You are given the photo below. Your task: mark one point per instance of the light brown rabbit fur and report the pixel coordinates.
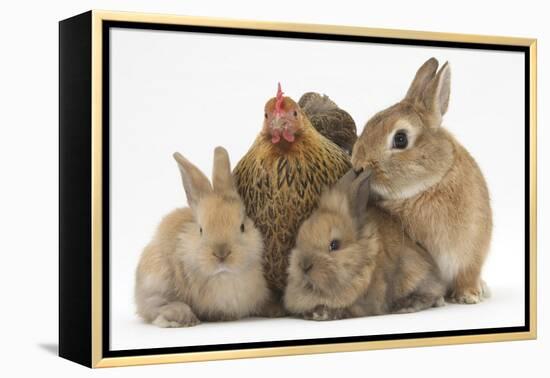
(204, 263)
(375, 268)
(432, 185)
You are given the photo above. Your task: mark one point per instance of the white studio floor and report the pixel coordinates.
(503, 309)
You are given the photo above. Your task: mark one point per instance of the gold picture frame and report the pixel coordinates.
(82, 43)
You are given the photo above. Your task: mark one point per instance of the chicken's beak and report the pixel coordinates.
(278, 122)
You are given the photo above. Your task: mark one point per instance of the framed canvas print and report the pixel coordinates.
(234, 189)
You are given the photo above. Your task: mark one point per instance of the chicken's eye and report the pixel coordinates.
(242, 227)
(295, 113)
(200, 230)
(334, 245)
(400, 140)
(265, 115)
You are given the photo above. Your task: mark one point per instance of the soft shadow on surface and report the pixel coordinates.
(50, 347)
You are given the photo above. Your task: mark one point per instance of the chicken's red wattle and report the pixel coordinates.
(275, 136)
(289, 137)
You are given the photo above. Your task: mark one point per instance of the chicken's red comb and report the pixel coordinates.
(279, 101)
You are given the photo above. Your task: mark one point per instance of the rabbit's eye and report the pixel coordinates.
(295, 113)
(242, 227)
(200, 230)
(334, 245)
(265, 115)
(400, 140)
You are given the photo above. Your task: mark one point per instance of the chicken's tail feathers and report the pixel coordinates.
(314, 103)
(329, 119)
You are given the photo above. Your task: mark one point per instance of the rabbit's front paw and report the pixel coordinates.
(175, 315)
(466, 296)
(321, 313)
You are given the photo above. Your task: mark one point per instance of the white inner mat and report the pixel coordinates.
(175, 91)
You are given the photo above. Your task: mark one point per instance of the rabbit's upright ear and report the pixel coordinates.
(345, 181)
(437, 93)
(423, 77)
(222, 179)
(358, 195)
(194, 181)
(335, 198)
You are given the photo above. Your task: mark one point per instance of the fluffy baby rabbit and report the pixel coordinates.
(352, 261)
(423, 176)
(204, 263)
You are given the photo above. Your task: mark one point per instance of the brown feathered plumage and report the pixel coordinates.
(332, 122)
(281, 178)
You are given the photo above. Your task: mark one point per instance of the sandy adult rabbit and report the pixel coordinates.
(427, 179)
(204, 262)
(352, 261)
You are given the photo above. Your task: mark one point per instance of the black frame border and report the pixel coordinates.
(75, 197)
(107, 25)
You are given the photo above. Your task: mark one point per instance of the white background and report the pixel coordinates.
(28, 158)
(190, 92)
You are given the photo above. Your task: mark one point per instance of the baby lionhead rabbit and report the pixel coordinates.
(352, 261)
(204, 263)
(424, 177)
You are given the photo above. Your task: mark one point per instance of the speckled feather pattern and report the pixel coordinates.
(280, 189)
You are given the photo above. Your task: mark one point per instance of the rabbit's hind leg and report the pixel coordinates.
(417, 302)
(174, 315)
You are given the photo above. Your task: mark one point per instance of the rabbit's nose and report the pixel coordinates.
(221, 252)
(306, 265)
